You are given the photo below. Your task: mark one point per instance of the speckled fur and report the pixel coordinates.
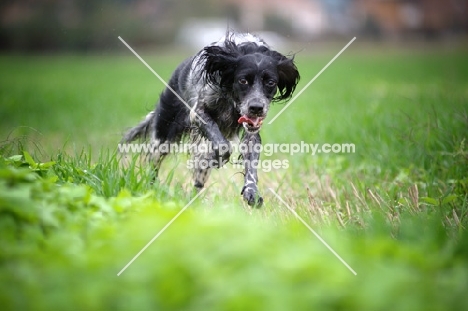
(210, 83)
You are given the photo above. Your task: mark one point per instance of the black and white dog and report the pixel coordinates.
(215, 95)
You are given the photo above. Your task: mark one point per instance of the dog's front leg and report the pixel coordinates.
(251, 158)
(209, 129)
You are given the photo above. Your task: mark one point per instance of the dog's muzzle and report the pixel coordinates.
(252, 117)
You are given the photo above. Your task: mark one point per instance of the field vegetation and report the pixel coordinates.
(74, 212)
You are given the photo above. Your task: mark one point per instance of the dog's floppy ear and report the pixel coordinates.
(288, 77)
(220, 64)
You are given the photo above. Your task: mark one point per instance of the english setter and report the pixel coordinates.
(228, 86)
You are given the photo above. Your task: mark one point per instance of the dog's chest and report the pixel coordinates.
(225, 114)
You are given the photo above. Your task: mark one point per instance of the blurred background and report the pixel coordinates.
(83, 25)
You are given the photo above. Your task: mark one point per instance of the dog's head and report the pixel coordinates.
(253, 75)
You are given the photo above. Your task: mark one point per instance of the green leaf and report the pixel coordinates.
(29, 160)
(449, 199)
(46, 165)
(14, 175)
(430, 201)
(16, 159)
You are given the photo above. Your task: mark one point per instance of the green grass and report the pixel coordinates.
(72, 215)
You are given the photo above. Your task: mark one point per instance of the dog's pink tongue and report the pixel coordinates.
(255, 121)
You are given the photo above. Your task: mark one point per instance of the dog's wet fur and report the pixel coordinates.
(229, 85)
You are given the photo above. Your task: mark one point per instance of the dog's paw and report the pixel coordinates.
(251, 196)
(222, 153)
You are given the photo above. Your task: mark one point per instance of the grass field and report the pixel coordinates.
(395, 210)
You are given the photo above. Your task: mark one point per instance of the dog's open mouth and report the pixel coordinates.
(251, 124)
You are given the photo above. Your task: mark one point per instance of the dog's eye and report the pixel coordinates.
(243, 81)
(270, 83)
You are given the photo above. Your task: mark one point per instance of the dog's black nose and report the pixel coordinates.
(256, 109)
